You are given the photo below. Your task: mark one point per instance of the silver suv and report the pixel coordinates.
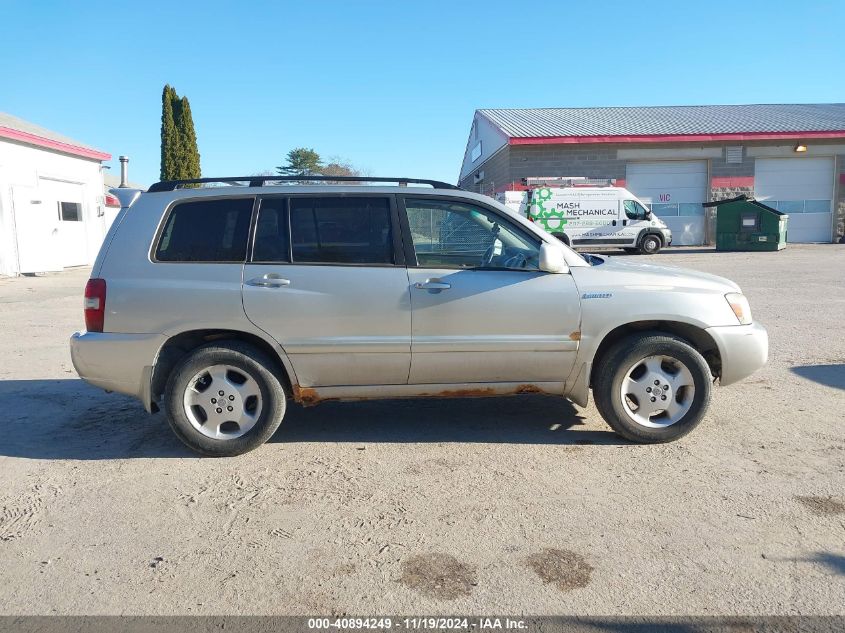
(222, 303)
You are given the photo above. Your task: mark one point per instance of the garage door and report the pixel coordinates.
(801, 187)
(674, 190)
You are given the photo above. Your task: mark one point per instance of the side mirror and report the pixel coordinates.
(647, 215)
(552, 259)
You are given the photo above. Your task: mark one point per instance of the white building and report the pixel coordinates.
(53, 209)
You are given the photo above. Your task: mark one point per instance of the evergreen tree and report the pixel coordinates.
(169, 136)
(189, 155)
(180, 158)
(302, 161)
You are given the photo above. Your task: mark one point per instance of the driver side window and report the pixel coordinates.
(450, 234)
(634, 210)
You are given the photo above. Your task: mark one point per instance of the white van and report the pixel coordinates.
(592, 216)
(515, 201)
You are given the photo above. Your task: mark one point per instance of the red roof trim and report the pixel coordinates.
(717, 182)
(674, 138)
(40, 141)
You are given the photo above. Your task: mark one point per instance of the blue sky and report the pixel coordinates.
(391, 86)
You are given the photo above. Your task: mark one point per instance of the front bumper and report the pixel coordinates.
(117, 362)
(743, 348)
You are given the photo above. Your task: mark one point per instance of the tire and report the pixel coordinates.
(258, 402)
(669, 354)
(563, 237)
(650, 244)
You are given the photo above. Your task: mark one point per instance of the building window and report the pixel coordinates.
(816, 206)
(799, 206)
(70, 212)
(476, 152)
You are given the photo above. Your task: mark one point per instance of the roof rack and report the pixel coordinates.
(260, 181)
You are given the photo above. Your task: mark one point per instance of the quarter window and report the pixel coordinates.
(455, 235)
(338, 230)
(206, 231)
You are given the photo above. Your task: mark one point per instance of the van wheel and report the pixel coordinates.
(652, 388)
(650, 244)
(224, 399)
(563, 237)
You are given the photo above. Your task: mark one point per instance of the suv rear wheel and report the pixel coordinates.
(652, 388)
(224, 399)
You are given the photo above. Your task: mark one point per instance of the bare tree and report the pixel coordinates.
(337, 166)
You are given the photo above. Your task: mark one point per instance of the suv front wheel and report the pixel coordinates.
(652, 388)
(224, 399)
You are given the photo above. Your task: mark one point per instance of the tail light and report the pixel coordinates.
(95, 304)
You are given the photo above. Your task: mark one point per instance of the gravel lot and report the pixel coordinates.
(508, 505)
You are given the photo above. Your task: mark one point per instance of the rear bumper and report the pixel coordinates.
(743, 348)
(117, 362)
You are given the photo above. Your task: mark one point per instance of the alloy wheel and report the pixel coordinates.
(657, 391)
(222, 402)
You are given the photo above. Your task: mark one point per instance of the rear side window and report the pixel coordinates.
(341, 230)
(206, 231)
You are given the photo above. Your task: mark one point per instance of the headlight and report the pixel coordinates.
(739, 304)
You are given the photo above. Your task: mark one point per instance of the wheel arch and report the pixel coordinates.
(697, 337)
(179, 345)
(650, 231)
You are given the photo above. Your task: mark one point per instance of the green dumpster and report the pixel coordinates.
(744, 224)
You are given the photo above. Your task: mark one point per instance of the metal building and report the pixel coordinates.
(791, 156)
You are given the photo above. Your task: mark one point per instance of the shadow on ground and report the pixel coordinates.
(669, 250)
(829, 375)
(834, 562)
(68, 419)
(688, 250)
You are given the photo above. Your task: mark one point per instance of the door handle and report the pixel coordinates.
(432, 284)
(270, 280)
